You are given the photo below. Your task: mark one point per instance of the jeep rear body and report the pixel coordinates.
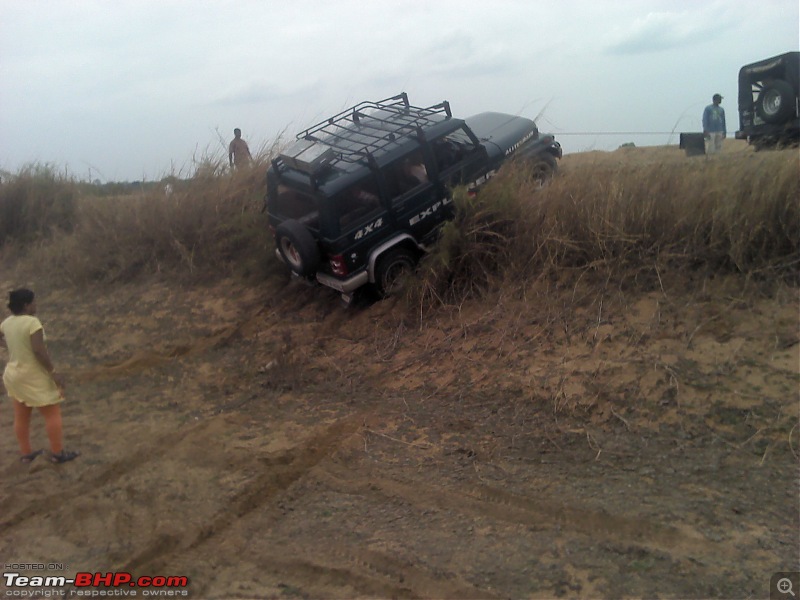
(769, 101)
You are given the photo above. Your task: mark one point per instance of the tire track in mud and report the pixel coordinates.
(112, 472)
(420, 581)
(146, 359)
(372, 574)
(369, 572)
(279, 474)
(485, 501)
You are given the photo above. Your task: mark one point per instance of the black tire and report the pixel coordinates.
(543, 167)
(776, 102)
(391, 268)
(297, 247)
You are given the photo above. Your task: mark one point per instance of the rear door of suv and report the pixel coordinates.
(417, 201)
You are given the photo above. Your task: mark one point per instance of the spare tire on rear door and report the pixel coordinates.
(776, 102)
(297, 247)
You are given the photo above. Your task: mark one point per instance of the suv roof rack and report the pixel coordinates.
(360, 131)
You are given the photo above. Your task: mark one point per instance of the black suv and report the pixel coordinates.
(768, 101)
(359, 197)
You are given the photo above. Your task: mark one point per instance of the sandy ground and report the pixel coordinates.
(567, 440)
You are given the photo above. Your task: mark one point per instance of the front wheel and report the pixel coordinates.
(543, 168)
(392, 268)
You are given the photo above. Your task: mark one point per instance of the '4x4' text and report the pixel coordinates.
(368, 229)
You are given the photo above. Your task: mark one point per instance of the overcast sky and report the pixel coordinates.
(122, 90)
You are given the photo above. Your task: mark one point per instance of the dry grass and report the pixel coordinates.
(205, 226)
(736, 213)
(621, 213)
(38, 199)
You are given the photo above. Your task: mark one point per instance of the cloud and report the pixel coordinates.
(461, 54)
(150, 79)
(659, 31)
(262, 92)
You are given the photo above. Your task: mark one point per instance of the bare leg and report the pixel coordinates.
(52, 424)
(22, 426)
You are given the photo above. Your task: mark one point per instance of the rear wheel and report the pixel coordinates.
(392, 268)
(776, 102)
(297, 247)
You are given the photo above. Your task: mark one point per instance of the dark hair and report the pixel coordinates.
(18, 299)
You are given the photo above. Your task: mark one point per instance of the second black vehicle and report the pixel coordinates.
(359, 197)
(769, 102)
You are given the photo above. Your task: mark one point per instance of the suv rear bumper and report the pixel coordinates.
(345, 286)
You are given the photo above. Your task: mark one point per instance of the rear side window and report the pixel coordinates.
(406, 174)
(293, 204)
(358, 204)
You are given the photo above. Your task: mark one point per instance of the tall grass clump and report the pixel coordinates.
(207, 225)
(35, 202)
(737, 213)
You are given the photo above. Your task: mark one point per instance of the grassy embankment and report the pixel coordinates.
(627, 214)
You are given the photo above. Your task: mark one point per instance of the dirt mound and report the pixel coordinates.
(572, 439)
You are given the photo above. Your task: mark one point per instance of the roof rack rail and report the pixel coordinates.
(361, 130)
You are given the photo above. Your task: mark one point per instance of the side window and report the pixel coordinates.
(450, 151)
(294, 204)
(406, 174)
(358, 203)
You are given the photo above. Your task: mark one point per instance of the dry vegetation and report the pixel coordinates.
(604, 213)
(194, 229)
(610, 215)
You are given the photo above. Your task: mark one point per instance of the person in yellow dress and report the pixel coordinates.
(30, 378)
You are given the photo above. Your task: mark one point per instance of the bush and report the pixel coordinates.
(206, 226)
(737, 214)
(622, 214)
(34, 203)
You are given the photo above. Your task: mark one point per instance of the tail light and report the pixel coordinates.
(338, 266)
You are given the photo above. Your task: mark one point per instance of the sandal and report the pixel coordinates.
(64, 456)
(28, 458)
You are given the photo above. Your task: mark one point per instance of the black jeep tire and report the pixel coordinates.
(391, 268)
(776, 102)
(297, 247)
(543, 167)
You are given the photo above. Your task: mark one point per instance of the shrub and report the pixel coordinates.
(35, 202)
(737, 214)
(205, 226)
(631, 211)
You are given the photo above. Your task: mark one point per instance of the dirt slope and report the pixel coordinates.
(572, 439)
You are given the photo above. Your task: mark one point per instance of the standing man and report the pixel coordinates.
(238, 152)
(714, 125)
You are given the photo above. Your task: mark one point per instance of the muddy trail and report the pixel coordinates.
(567, 440)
